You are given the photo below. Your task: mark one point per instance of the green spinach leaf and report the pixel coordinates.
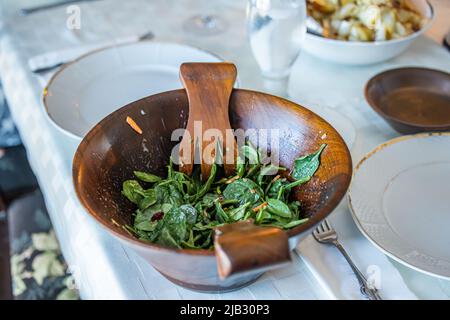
(147, 177)
(133, 191)
(245, 190)
(279, 208)
(306, 166)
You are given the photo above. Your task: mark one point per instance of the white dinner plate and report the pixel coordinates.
(85, 91)
(400, 199)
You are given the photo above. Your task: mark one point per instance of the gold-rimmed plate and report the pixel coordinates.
(399, 200)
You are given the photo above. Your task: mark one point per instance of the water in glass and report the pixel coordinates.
(276, 30)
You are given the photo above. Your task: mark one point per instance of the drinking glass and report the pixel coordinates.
(276, 29)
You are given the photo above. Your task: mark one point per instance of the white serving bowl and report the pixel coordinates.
(362, 53)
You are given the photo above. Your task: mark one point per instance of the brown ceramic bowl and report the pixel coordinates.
(411, 100)
(111, 151)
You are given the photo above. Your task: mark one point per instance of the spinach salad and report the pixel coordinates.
(181, 211)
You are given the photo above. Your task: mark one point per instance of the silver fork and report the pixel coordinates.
(325, 233)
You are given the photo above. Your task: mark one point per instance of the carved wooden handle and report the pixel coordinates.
(208, 87)
(243, 247)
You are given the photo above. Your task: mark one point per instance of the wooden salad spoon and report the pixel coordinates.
(208, 87)
(240, 247)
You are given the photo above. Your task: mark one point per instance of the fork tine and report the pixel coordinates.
(319, 228)
(316, 234)
(327, 224)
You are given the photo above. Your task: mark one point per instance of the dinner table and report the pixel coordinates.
(103, 268)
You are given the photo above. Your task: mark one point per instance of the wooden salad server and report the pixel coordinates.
(208, 87)
(243, 247)
(240, 247)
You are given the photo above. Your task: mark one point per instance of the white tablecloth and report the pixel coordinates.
(102, 267)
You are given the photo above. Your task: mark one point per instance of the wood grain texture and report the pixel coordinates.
(112, 150)
(208, 87)
(244, 247)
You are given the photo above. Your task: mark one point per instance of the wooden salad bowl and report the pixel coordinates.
(112, 150)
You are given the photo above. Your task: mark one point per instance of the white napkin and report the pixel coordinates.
(53, 58)
(333, 272)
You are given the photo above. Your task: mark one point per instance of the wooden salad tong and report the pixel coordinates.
(240, 247)
(208, 87)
